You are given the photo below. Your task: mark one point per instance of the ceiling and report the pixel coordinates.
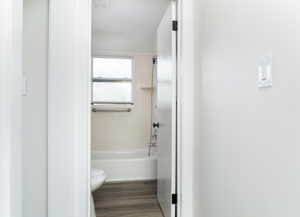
(128, 16)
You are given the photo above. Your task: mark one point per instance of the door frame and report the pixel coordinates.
(69, 146)
(69, 99)
(185, 108)
(11, 39)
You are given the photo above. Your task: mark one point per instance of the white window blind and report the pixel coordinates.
(112, 80)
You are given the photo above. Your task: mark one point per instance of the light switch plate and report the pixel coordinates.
(265, 78)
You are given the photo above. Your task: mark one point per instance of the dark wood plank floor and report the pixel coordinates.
(127, 199)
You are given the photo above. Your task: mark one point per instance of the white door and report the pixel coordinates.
(166, 111)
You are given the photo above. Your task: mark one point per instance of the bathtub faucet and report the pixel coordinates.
(154, 137)
(153, 141)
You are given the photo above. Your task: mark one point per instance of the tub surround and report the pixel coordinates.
(128, 165)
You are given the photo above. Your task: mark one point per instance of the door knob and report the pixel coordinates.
(155, 124)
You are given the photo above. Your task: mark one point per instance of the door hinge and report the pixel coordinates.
(174, 199)
(174, 25)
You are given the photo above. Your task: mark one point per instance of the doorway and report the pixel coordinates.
(70, 141)
(133, 119)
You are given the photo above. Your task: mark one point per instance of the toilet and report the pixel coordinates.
(97, 179)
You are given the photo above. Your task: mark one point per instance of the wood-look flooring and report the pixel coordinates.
(127, 199)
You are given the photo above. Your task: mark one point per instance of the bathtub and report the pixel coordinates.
(130, 165)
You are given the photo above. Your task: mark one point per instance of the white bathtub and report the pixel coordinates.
(130, 165)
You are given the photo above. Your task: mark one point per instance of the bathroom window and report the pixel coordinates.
(112, 81)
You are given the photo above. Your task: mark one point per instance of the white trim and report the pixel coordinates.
(11, 108)
(185, 107)
(69, 108)
(174, 168)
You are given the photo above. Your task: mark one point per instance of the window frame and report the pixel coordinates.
(120, 104)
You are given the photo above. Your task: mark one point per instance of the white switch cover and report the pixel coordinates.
(265, 72)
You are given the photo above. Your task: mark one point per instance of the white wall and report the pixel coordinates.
(10, 108)
(69, 108)
(247, 150)
(35, 39)
(132, 128)
(126, 25)
(123, 42)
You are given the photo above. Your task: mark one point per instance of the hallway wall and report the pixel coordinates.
(247, 139)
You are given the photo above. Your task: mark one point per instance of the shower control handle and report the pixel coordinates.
(155, 124)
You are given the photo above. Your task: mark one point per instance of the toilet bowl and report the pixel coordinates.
(97, 179)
